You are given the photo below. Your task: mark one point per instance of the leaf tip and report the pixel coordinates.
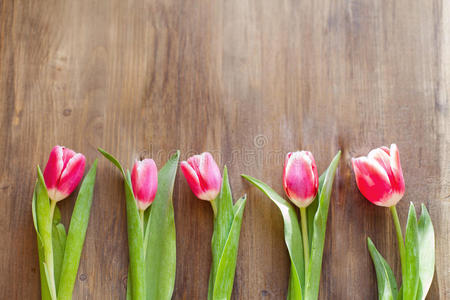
(176, 155)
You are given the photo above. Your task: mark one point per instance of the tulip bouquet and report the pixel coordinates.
(379, 177)
(312, 195)
(204, 179)
(59, 254)
(151, 228)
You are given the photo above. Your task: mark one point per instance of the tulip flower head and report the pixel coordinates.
(203, 176)
(379, 176)
(144, 179)
(300, 179)
(63, 172)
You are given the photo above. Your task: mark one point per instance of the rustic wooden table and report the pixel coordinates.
(247, 81)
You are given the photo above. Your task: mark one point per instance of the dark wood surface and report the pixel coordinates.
(247, 81)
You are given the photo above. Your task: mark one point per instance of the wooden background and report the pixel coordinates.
(247, 81)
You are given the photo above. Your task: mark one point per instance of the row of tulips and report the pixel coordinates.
(151, 225)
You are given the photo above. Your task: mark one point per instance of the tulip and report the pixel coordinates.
(63, 172)
(301, 183)
(203, 177)
(300, 179)
(144, 179)
(379, 176)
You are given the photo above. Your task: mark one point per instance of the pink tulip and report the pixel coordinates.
(300, 180)
(63, 172)
(144, 179)
(203, 176)
(379, 176)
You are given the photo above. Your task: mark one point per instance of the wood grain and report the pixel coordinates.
(247, 81)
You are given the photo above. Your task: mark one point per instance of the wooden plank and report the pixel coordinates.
(247, 81)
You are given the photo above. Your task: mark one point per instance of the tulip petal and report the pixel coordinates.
(372, 180)
(398, 183)
(385, 149)
(300, 178)
(67, 156)
(191, 177)
(71, 176)
(202, 175)
(383, 159)
(144, 179)
(54, 167)
(210, 177)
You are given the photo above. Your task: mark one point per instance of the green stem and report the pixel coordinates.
(52, 209)
(401, 244)
(49, 255)
(141, 217)
(305, 236)
(214, 207)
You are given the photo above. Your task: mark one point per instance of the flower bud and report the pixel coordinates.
(379, 176)
(144, 179)
(63, 172)
(202, 175)
(300, 180)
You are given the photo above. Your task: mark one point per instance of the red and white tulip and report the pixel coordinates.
(203, 176)
(144, 179)
(63, 172)
(379, 176)
(300, 179)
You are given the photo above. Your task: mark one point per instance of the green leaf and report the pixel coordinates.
(400, 294)
(311, 210)
(128, 296)
(420, 294)
(411, 278)
(135, 243)
(76, 235)
(292, 237)
(426, 253)
(59, 245)
(56, 216)
(160, 238)
(45, 293)
(223, 283)
(135, 236)
(222, 224)
(387, 286)
(113, 160)
(318, 237)
(44, 224)
(294, 288)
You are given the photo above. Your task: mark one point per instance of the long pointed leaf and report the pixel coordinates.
(222, 225)
(135, 236)
(113, 160)
(45, 293)
(311, 210)
(160, 257)
(318, 237)
(135, 243)
(59, 245)
(387, 286)
(44, 224)
(426, 253)
(223, 283)
(411, 278)
(292, 237)
(76, 235)
(294, 288)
